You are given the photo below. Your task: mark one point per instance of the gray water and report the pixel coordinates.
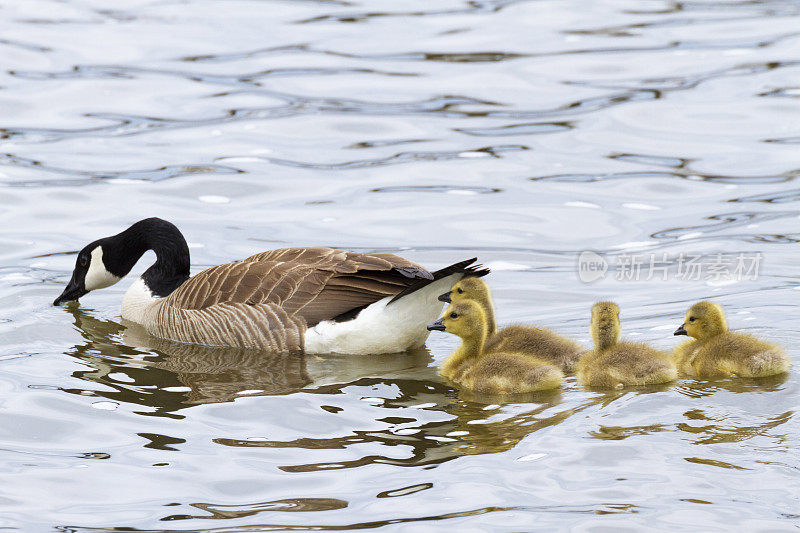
(521, 132)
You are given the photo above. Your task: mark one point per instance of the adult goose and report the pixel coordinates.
(320, 300)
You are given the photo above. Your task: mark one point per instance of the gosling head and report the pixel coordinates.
(469, 288)
(605, 326)
(703, 320)
(465, 319)
(90, 272)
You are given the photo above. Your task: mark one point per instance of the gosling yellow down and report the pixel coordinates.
(616, 364)
(715, 352)
(538, 342)
(492, 373)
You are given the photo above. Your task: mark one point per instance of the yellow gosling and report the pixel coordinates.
(492, 373)
(715, 352)
(615, 364)
(473, 288)
(539, 342)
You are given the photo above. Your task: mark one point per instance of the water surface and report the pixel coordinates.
(523, 132)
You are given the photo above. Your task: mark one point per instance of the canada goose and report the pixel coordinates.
(322, 300)
(539, 342)
(495, 372)
(716, 352)
(616, 364)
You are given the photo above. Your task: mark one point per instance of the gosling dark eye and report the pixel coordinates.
(460, 290)
(453, 315)
(691, 319)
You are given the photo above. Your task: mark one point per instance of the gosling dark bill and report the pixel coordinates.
(680, 331)
(445, 297)
(437, 326)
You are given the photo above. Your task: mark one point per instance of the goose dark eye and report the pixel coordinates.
(453, 315)
(83, 261)
(460, 290)
(691, 319)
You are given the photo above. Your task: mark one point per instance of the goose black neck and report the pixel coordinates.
(171, 269)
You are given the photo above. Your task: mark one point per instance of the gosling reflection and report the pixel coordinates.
(294, 505)
(706, 428)
(712, 428)
(432, 423)
(478, 435)
(700, 388)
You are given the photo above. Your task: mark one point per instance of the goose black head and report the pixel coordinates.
(106, 261)
(90, 273)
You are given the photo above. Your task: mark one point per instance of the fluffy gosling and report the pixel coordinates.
(715, 352)
(473, 288)
(615, 364)
(538, 342)
(491, 373)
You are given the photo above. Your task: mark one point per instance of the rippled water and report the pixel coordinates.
(523, 132)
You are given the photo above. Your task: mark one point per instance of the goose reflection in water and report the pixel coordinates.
(135, 367)
(168, 376)
(216, 374)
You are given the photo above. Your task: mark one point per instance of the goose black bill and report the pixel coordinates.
(73, 291)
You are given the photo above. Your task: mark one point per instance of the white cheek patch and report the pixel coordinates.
(97, 277)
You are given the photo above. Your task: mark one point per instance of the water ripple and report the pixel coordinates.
(401, 158)
(86, 177)
(127, 72)
(453, 189)
(534, 128)
(689, 81)
(680, 168)
(293, 505)
(472, 7)
(441, 106)
(300, 527)
(642, 125)
(494, 56)
(25, 46)
(761, 7)
(782, 197)
(727, 221)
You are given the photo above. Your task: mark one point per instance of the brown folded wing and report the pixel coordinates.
(314, 284)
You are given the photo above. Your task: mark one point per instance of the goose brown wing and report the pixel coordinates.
(313, 283)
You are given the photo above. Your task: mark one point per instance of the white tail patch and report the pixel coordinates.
(382, 328)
